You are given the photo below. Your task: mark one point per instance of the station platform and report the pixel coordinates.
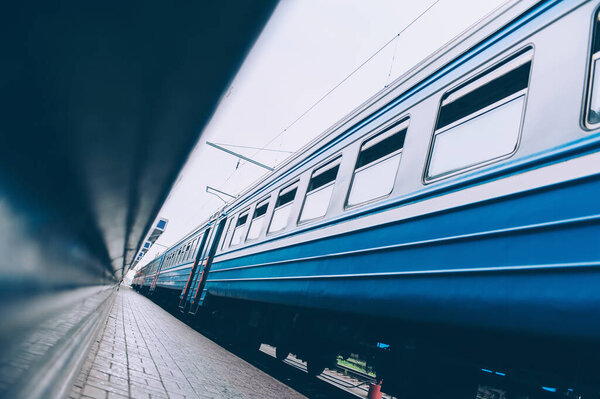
(142, 351)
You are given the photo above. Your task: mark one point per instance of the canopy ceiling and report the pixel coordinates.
(102, 103)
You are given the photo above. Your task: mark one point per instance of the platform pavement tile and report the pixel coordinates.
(118, 381)
(93, 392)
(147, 388)
(140, 393)
(179, 388)
(99, 374)
(112, 395)
(152, 388)
(137, 374)
(113, 369)
(149, 383)
(107, 385)
(101, 362)
(147, 353)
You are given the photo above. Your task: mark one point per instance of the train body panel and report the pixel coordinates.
(437, 266)
(433, 248)
(175, 278)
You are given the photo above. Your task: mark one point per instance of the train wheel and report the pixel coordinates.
(281, 352)
(315, 367)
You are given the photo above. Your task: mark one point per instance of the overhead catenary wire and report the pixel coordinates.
(321, 99)
(350, 74)
(254, 148)
(335, 87)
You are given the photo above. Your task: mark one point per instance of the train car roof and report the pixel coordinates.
(450, 51)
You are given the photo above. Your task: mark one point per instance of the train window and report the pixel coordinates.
(283, 207)
(480, 121)
(258, 219)
(320, 189)
(187, 252)
(593, 101)
(191, 251)
(193, 247)
(239, 228)
(377, 164)
(227, 232)
(183, 253)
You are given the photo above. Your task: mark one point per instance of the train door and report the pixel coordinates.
(153, 285)
(196, 294)
(188, 284)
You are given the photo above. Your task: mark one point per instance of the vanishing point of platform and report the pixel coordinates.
(144, 352)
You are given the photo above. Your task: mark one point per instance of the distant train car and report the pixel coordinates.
(138, 279)
(455, 215)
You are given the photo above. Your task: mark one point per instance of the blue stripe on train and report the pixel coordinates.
(570, 201)
(174, 279)
(550, 226)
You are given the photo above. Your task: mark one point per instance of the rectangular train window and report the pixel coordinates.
(258, 219)
(377, 164)
(239, 228)
(320, 189)
(195, 247)
(480, 121)
(283, 207)
(226, 233)
(187, 251)
(593, 100)
(190, 249)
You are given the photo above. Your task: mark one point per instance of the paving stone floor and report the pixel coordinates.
(144, 352)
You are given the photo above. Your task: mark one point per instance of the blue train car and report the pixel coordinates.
(454, 214)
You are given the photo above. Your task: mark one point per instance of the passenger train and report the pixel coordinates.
(450, 223)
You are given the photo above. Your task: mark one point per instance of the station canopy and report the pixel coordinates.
(102, 103)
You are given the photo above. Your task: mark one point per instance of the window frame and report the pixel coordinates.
(263, 202)
(178, 256)
(588, 89)
(295, 182)
(336, 159)
(194, 247)
(245, 212)
(401, 123)
(589, 71)
(186, 253)
(228, 224)
(470, 79)
(191, 243)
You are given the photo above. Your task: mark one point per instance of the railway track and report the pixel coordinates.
(358, 374)
(344, 382)
(351, 381)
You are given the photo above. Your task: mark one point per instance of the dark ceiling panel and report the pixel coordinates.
(102, 103)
